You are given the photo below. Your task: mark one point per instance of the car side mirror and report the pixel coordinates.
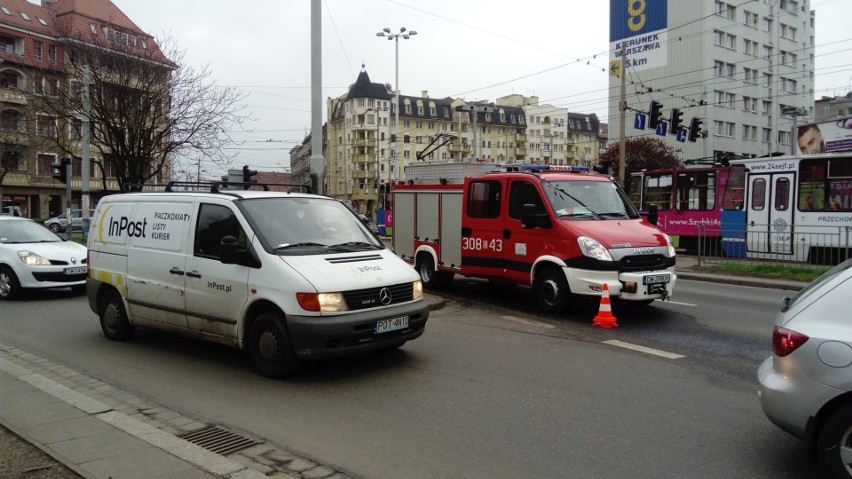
(653, 214)
(230, 252)
(530, 218)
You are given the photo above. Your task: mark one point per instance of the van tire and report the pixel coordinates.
(270, 348)
(551, 290)
(114, 322)
(10, 287)
(431, 278)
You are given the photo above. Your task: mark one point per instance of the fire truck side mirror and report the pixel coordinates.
(531, 218)
(652, 214)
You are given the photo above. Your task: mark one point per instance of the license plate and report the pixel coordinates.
(392, 324)
(656, 278)
(76, 270)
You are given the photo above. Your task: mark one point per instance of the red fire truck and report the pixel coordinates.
(564, 233)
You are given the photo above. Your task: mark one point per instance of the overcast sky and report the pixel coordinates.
(475, 49)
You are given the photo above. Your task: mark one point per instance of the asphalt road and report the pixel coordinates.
(493, 389)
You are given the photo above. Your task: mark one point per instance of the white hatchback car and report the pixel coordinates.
(33, 257)
(805, 387)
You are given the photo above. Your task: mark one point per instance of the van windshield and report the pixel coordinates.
(578, 199)
(307, 225)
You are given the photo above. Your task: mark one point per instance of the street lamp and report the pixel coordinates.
(796, 113)
(406, 34)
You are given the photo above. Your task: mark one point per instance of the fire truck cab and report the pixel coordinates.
(563, 233)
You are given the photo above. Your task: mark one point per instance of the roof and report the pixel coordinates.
(583, 123)
(33, 11)
(364, 88)
(95, 10)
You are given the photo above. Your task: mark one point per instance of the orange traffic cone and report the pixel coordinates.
(605, 319)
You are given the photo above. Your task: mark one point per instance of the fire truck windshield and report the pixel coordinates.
(588, 200)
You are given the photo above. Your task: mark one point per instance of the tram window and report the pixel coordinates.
(696, 191)
(735, 189)
(658, 191)
(782, 194)
(758, 194)
(825, 185)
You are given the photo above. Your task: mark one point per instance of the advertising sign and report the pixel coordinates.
(641, 26)
(826, 137)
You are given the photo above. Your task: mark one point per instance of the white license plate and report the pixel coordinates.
(656, 278)
(392, 324)
(76, 270)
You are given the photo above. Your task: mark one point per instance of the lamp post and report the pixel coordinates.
(406, 34)
(795, 112)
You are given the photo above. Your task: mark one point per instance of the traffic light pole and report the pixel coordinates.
(622, 106)
(68, 199)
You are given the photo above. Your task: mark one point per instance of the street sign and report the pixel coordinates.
(639, 121)
(681, 134)
(662, 128)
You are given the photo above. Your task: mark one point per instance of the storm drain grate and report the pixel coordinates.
(219, 440)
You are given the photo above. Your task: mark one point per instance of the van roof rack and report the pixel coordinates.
(230, 186)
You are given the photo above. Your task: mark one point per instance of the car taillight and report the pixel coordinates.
(785, 341)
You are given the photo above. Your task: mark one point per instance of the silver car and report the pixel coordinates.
(805, 385)
(60, 223)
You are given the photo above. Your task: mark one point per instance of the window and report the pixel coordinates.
(38, 47)
(765, 135)
(51, 53)
(523, 193)
(724, 99)
(53, 87)
(658, 191)
(750, 47)
(751, 19)
(767, 24)
(484, 199)
(46, 125)
(767, 52)
(43, 164)
(75, 129)
(783, 137)
(788, 32)
(788, 58)
(825, 185)
(725, 10)
(767, 79)
(726, 40)
(750, 75)
(12, 121)
(749, 132)
(419, 109)
(696, 191)
(782, 194)
(214, 223)
(38, 85)
(758, 194)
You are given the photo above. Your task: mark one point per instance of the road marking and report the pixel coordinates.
(643, 349)
(682, 304)
(528, 322)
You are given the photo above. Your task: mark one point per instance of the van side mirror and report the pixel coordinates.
(231, 253)
(530, 218)
(653, 215)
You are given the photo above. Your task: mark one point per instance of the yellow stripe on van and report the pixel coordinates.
(114, 279)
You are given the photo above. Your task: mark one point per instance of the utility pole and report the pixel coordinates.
(85, 138)
(317, 165)
(622, 120)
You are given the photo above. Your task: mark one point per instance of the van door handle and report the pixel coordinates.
(193, 274)
(176, 271)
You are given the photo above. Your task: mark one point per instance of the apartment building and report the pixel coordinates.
(362, 151)
(831, 108)
(742, 68)
(33, 69)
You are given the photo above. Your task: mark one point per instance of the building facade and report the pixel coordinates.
(742, 68)
(33, 69)
(831, 108)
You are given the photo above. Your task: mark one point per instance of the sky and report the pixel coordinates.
(471, 49)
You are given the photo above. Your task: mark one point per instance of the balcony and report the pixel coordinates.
(459, 147)
(12, 95)
(14, 138)
(521, 137)
(521, 151)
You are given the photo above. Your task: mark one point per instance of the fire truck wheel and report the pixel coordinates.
(551, 290)
(432, 279)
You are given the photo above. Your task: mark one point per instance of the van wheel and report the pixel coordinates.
(270, 348)
(835, 443)
(114, 321)
(551, 290)
(10, 287)
(432, 279)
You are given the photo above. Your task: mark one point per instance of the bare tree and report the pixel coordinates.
(146, 106)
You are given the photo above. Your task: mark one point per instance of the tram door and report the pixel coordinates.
(770, 213)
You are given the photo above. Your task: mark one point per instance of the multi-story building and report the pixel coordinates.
(547, 134)
(34, 68)
(830, 108)
(362, 150)
(742, 68)
(583, 133)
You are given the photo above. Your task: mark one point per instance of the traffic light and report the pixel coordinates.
(675, 121)
(694, 129)
(247, 176)
(59, 170)
(656, 114)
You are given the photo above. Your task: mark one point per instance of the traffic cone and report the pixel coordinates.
(605, 319)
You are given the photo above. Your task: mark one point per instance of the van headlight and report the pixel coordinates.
(30, 258)
(322, 302)
(671, 248)
(593, 249)
(418, 289)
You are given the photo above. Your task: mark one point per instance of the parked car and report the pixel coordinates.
(60, 223)
(805, 387)
(33, 257)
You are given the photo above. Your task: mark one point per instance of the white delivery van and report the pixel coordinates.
(285, 276)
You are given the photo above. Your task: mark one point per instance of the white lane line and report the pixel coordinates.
(643, 349)
(675, 302)
(528, 322)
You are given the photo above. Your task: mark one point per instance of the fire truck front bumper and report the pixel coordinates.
(632, 286)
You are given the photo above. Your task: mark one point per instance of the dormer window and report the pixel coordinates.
(6, 11)
(25, 16)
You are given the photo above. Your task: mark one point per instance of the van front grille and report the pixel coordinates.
(375, 297)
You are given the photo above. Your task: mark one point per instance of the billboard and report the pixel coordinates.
(642, 27)
(825, 137)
